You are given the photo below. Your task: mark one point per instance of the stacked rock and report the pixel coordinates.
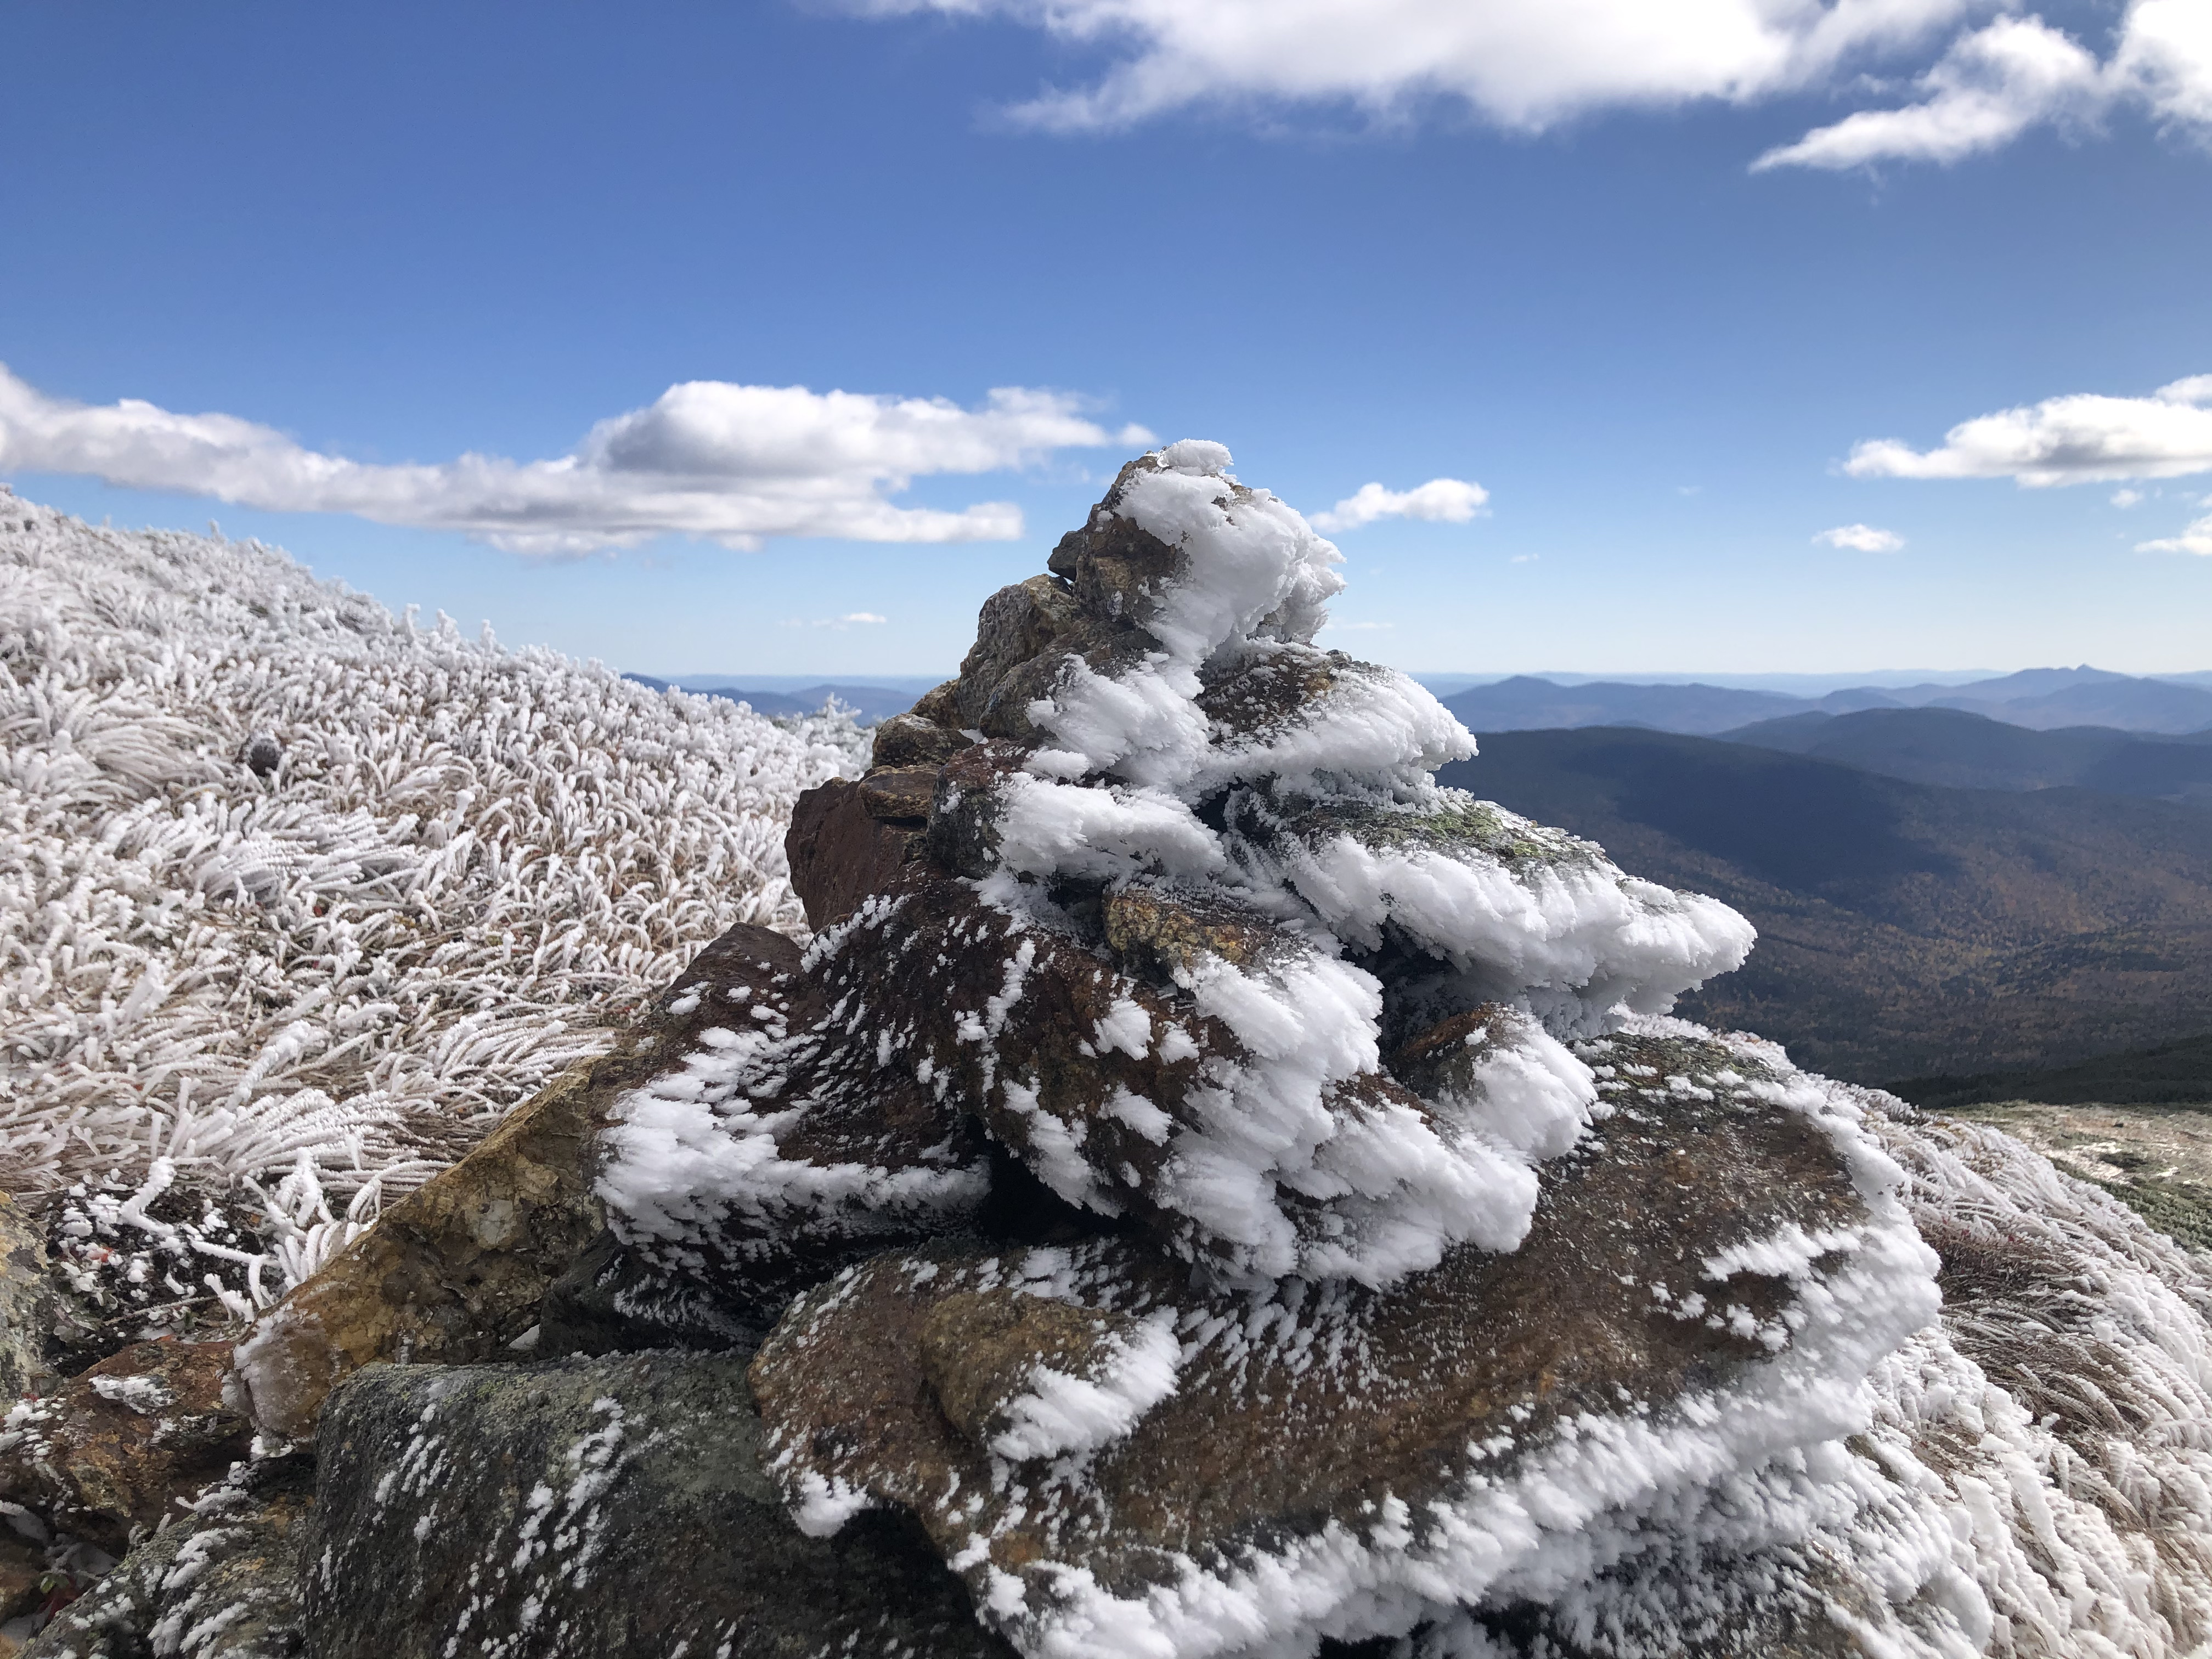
(1231, 1190)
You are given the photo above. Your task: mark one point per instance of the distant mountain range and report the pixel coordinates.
(869, 703)
(1963, 750)
(1906, 929)
(2041, 699)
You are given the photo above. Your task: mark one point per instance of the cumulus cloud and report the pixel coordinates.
(1862, 538)
(2197, 539)
(729, 463)
(1526, 67)
(2087, 438)
(1440, 500)
(1997, 82)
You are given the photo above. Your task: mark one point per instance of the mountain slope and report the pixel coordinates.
(1905, 929)
(1527, 704)
(2039, 697)
(1961, 750)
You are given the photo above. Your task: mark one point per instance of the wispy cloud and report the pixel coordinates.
(2197, 539)
(2127, 498)
(712, 459)
(2087, 438)
(1334, 626)
(1440, 500)
(2017, 73)
(1862, 538)
(851, 619)
(1527, 68)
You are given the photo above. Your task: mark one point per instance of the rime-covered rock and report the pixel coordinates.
(109, 1453)
(1180, 879)
(459, 1272)
(220, 1582)
(1120, 1460)
(602, 1509)
(454, 1272)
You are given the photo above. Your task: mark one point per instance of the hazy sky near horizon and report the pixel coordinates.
(1740, 336)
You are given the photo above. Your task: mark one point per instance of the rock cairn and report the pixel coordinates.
(1203, 1190)
(1235, 1191)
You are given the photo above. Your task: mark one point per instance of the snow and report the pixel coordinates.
(1063, 1415)
(1113, 796)
(469, 865)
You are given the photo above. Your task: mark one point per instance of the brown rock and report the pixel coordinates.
(1313, 1408)
(840, 853)
(896, 793)
(909, 739)
(1015, 624)
(456, 1271)
(938, 705)
(1164, 930)
(980, 1350)
(963, 819)
(1115, 569)
(110, 1451)
(22, 1564)
(1087, 1074)
(909, 1161)
(28, 1305)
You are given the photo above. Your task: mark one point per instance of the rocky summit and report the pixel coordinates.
(1203, 1189)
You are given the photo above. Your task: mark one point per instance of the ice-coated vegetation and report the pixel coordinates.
(296, 892)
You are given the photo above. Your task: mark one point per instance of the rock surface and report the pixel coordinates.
(109, 1453)
(607, 1508)
(455, 1271)
(1688, 1281)
(27, 1306)
(220, 1583)
(458, 1270)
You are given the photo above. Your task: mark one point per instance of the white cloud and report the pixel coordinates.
(1990, 88)
(1334, 626)
(1862, 538)
(2016, 73)
(2197, 539)
(733, 463)
(2086, 438)
(1440, 500)
(2126, 498)
(1526, 67)
(851, 619)
(1520, 65)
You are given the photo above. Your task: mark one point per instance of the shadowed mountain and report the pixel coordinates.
(2174, 1073)
(1905, 929)
(1963, 750)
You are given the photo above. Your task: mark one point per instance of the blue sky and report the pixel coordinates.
(1543, 266)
